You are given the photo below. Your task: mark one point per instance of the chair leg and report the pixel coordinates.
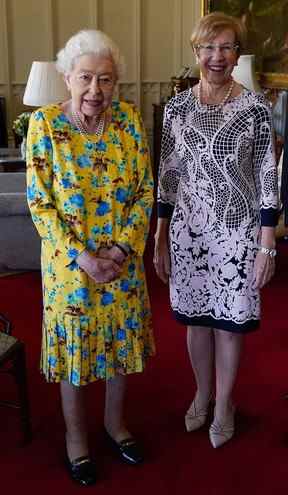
(19, 371)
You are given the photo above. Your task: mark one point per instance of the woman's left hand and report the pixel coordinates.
(264, 269)
(113, 253)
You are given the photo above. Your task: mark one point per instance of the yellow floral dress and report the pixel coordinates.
(85, 192)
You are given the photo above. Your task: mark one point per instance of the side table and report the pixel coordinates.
(12, 361)
(11, 160)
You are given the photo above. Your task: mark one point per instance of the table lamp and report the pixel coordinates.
(244, 73)
(45, 85)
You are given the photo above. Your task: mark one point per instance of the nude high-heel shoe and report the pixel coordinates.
(196, 418)
(220, 433)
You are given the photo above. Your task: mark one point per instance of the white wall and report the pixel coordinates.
(153, 35)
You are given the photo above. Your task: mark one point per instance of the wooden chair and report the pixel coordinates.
(12, 361)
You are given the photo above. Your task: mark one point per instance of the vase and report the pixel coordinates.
(23, 149)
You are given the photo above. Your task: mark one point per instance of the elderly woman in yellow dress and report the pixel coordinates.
(217, 210)
(90, 191)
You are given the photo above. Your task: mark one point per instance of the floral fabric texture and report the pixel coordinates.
(218, 183)
(86, 193)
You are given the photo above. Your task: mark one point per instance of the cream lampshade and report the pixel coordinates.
(45, 85)
(244, 73)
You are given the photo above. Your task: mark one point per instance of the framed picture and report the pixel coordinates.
(267, 28)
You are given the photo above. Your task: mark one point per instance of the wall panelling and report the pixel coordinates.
(153, 36)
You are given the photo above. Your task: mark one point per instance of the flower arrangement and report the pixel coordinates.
(21, 124)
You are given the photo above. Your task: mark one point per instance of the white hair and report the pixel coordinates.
(86, 42)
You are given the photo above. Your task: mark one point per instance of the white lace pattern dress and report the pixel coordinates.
(217, 185)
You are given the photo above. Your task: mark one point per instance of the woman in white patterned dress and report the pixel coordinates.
(217, 211)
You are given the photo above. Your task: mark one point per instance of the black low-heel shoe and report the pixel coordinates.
(128, 450)
(82, 470)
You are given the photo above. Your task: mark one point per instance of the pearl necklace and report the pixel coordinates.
(217, 105)
(100, 126)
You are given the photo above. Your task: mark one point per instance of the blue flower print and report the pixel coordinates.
(100, 364)
(101, 146)
(122, 353)
(131, 268)
(60, 331)
(52, 361)
(131, 129)
(45, 143)
(91, 245)
(31, 192)
(77, 200)
(83, 161)
(39, 115)
(89, 146)
(84, 320)
(107, 298)
(62, 117)
(68, 157)
(107, 229)
(100, 358)
(125, 285)
(73, 266)
(56, 168)
(95, 181)
(72, 253)
(75, 376)
(71, 349)
(122, 166)
(121, 195)
(58, 123)
(106, 179)
(131, 324)
(85, 354)
(103, 208)
(82, 293)
(66, 183)
(95, 230)
(121, 334)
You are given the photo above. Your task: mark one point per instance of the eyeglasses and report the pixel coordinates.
(104, 82)
(225, 49)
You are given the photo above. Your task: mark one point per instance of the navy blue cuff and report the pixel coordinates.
(269, 217)
(164, 210)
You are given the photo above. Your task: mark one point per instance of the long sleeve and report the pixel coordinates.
(42, 203)
(265, 167)
(169, 168)
(135, 230)
(284, 177)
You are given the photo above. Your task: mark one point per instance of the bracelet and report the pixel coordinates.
(122, 249)
(270, 252)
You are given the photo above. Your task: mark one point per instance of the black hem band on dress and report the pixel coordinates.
(209, 321)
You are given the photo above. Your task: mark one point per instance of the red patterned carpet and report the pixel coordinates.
(256, 461)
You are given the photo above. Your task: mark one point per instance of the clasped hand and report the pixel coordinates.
(103, 267)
